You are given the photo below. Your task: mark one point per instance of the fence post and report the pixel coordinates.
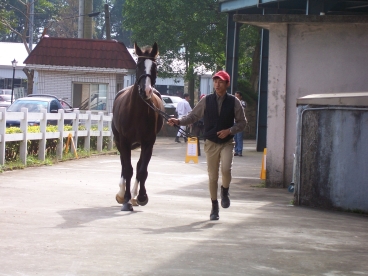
(60, 145)
(42, 143)
(24, 129)
(100, 130)
(2, 134)
(110, 145)
(87, 139)
(75, 128)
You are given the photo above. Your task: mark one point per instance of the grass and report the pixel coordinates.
(260, 185)
(33, 161)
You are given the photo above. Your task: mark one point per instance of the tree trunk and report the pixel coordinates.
(30, 75)
(255, 67)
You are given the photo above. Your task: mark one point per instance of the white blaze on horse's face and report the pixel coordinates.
(148, 65)
(148, 87)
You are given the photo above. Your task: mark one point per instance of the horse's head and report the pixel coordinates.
(146, 71)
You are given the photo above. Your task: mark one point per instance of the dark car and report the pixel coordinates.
(36, 102)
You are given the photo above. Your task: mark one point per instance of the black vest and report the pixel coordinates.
(213, 122)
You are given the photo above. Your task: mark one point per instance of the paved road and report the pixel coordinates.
(63, 220)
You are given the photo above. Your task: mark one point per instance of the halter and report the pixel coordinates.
(150, 103)
(145, 75)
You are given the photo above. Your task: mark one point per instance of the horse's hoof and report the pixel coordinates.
(119, 199)
(142, 200)
(127, 207)
(134, 202)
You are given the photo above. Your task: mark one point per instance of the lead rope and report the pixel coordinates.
(167, 117)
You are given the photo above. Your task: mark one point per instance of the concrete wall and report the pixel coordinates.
(324, 58)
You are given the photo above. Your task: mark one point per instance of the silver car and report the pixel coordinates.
(5, 100)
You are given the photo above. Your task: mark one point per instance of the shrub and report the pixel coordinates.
(12, 148)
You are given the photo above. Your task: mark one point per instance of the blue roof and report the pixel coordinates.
(332, 7)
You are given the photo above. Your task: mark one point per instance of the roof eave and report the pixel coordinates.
(81, 69)
(267, 20)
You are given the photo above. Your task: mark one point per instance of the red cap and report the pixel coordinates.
(222, 75)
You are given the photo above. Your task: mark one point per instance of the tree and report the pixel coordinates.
(116, 21)
(191, 31)
(15, 20)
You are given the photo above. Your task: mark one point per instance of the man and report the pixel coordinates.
(238, 137)
(183, 108)
(219, 111)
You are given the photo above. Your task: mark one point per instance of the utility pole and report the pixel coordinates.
(107, 22)
(31, 21)
(80, 19)
(85, 22)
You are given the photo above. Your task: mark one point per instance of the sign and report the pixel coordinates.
(192, 150)
(18, 92)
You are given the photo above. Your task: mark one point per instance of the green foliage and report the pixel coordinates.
(15, 18)
(193, 31)
(248, 39)
(248, 93)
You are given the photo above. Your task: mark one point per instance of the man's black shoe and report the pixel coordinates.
(177, 139)
(225, 200)
(215, 210)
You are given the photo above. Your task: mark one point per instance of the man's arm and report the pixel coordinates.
(240, 120)
(193, 116)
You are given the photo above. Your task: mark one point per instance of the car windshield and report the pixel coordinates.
(33, 106)
(175, 99)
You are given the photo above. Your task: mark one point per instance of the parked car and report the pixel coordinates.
(36, 102)
(5, 100)
(5, 91)
(171, 100)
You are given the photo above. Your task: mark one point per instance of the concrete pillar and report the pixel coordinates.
(276, 105)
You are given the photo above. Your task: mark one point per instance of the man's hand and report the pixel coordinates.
(173, 122)
(223, 133)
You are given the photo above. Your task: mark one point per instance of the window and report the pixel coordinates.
(89, 96)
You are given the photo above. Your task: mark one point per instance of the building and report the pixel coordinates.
(308, 47)
(85, 72)
(10, 51)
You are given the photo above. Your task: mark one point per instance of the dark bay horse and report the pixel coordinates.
(135, 123)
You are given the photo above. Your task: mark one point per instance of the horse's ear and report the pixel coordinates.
(137, 50)
(154, 51)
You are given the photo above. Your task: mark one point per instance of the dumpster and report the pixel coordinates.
(331, 156)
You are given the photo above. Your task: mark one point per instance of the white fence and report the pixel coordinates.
(88, 119)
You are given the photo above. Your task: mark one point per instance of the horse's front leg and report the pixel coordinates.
(142, 172)
(124, 194)
(135, 193)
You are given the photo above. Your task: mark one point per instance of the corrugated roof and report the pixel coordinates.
(77, 52)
